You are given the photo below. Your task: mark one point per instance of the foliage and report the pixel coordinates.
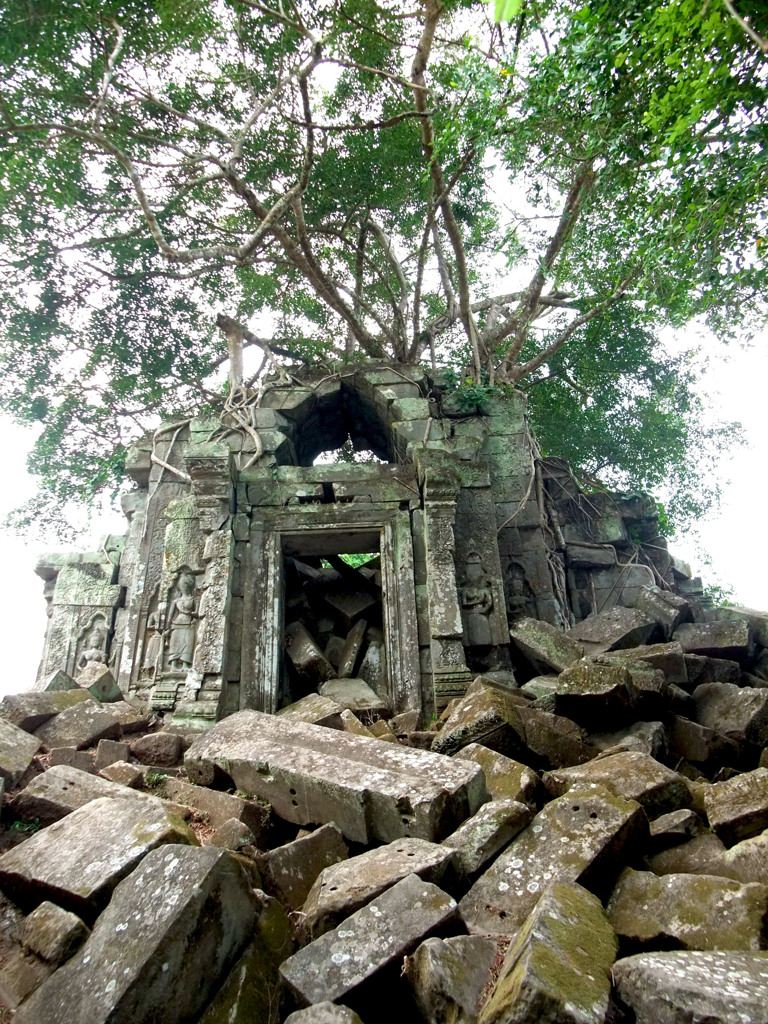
(185, 179)
(25, 826)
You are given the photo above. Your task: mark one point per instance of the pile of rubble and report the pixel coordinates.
(334, 630)
(584, 840)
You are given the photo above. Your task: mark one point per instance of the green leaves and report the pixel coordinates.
(506, 10)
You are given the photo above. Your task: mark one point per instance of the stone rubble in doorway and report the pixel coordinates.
(591, 847)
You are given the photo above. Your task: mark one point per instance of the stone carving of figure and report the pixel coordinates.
(153, 652)
(476, 602)
(518, 592)
(95, 647)
(181, 645)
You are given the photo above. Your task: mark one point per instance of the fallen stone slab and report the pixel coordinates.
(252, 993)
(181, 909)
(350, 653)
(505, 778)
(288, 872)
(62, 790)
(78, 861)
(645, 737)
(233, 835)
(345, 887)
(540, 686)
(355, 695)
(699, 744)
(17, 749)
(109, 751)
(579, 837)
(53, 933)
(738, 808)
(630, 774)
(312, 775)
(315, 709)
(323, 1013)
(545, 646)
(690, 911)
(692, 987)
(80, 726)
(20, 975)
(306, 657)
(123, 773)
(352, 724)
(30, 710)
(667, 658)
(447, 976)
(729, 640)
(486, 833)
(131, 719)
(97, 680)
(710, 670)
(549, 740)
(56, 681)
(674, 828)
(72, 757)
(382, 730)
(559, 966)
(700, 855)
(218, 807)
(740, 713)
(595, 694)
(614, 630)
(664, 607)
(342, 964)
(162, 749)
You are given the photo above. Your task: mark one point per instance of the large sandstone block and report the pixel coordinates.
(31, 710)
(595, 694)
(486, 833)
(664, 607)
(288, 872)
(82, 725)
(343, 963)
(344, 888)
(63, 789)
(217, 807)
(579, 837)
(614, 629)
(78, 861)
(506, 778)
(729, 640)
(688, 987)
(17, 748)
(447, 976)
(689, 911)
(630, 774)
(545, 646)
(738, 808)
(315, 709)
(740, 713)
(667, 658)
(314, 775)
(159, 951)
(559, 966)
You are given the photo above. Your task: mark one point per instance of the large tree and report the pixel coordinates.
(184, 180)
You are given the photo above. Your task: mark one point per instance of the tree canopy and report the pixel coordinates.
(324, 180)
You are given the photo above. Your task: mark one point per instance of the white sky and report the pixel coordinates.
(735, 540)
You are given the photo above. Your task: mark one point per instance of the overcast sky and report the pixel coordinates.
(737, 384)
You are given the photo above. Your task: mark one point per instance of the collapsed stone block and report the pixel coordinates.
(559, 966)
(99, 682)
(53, 933)
(62, 790)
(218, 807)
(355, 695)
(595, 694)
(314, 775)
(109, 751)
(545, 646)
(447, 976)
(506, 779)
(17, 749)
(30, 710)
(739, 713)
(306, 657)
(613, 630)
(730, 640)
(81, 725)
(486, 833)
(738, 809)
(157, 748)
(663, 606)
(288, 872)
(315, 709)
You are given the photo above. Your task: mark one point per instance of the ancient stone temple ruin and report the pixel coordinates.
(230, 590)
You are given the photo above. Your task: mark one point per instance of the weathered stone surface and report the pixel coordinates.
(354, 694)
(124, 774)
(289, 872)
(109, 751)
(82, 725)
(217, 807)
(131, 719)
(595, 693)
(17, 748)
(710, 670)
(506, 779)
(691, 911)
(700, 855)
(382, 730)
(540, 686)
(233, 835)
(559, 966)
(664, 607)
(674, 828)
(667, 658)
(337, 966)
(63, 789)
(447, 976)
(738, 809)
(347, 886)
(252, 994)
(486, 833)
(630, 774)
(645, 737)
(405, 723)
(314, 709)
(740, 713)
(72, 757)
(53, 933)
(729, 640)
(575, 838)
(57, 681)
(31, 710)
(306, 657)
(314, 775)
(77, 862)
(613, 630)
(181, 907)
(694, 987)
(157, 748)
(545, 646)
(97, 680)
(350, 653)
(351, 723)
(548, 740)
(699, 743)
(19, 978)
(324, 1013)
(480, 716)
